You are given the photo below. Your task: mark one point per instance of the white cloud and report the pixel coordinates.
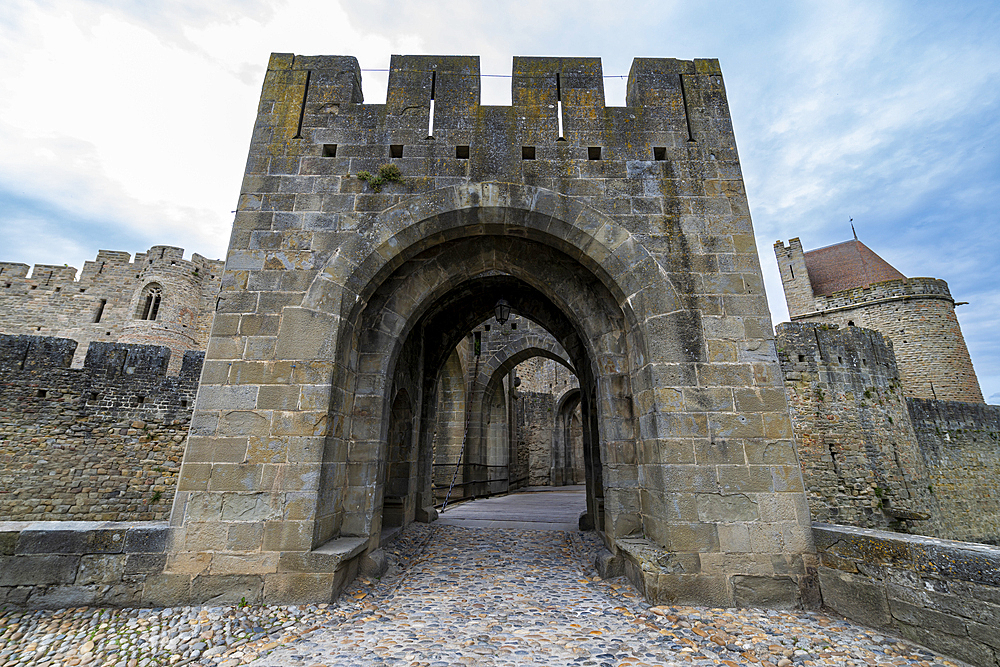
(139, 114)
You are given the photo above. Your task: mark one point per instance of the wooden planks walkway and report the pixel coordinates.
(536, 508)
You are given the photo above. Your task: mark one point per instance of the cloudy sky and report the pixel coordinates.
(125, 123)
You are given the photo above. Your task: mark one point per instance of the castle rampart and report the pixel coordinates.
(874, 458)
(960, 443)
(859, 455)
(102, 442)
(159, 298)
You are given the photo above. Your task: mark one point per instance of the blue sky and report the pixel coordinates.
(125, 124)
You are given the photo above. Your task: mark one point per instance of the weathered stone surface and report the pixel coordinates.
(935, 592)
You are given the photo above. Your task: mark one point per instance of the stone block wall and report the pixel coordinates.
(535, 421)
(626, 235)
(960, 443)
(942, 594)
(103, 442)
(104, 303)
(51, 565)
(859, 455)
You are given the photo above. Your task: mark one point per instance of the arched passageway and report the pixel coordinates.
(414, 355)
(567, 441)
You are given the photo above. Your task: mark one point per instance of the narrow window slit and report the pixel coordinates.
(659, 153)
(559, 109)
(430, 116)
(462, 152)
(527, 152)
(396, 150)
(687, 116)
(329, 150)
(302, 111)
(100, 310)
(594, 153)
(791, 271)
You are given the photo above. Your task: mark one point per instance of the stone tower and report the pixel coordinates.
(849, 285)
(371, 239)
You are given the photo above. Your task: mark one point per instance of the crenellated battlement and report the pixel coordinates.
(848, 356)
(156, 297)
(909, 288)
(315, 103)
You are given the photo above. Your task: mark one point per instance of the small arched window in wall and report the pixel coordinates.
(149, 302)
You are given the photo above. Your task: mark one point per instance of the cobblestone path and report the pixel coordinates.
(460, 596)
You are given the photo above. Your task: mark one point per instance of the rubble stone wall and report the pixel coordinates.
(99, 443)
(960, 443)
(859, 455)
(536, 419)
(874, 458)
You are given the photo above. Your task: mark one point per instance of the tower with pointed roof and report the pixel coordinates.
(848, 284)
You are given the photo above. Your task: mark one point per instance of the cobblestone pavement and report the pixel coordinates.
(512, 597)
(456, 596)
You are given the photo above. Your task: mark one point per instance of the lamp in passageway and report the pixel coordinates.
(501, 311)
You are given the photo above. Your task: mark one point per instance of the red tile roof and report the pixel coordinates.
(845, 266)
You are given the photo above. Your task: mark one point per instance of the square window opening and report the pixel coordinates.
(594, 153)
(462, 152)
(527, 152)
(659, 153)
(396, 150)
(41, 393)
(329, 150)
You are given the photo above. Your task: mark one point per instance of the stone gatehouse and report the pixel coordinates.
(371, 240)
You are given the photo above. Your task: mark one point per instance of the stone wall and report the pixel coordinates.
(960, 443)
(103, 442)
(859, 456)
(106, 304)
(872, 457)
(535, 421)
(942, 594)
(627, 236)
(51, 565)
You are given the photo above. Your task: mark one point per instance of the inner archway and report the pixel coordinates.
(410, 327)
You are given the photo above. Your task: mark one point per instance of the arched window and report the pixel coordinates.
(149, 302)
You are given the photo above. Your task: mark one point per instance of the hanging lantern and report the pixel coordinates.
(501, 311)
